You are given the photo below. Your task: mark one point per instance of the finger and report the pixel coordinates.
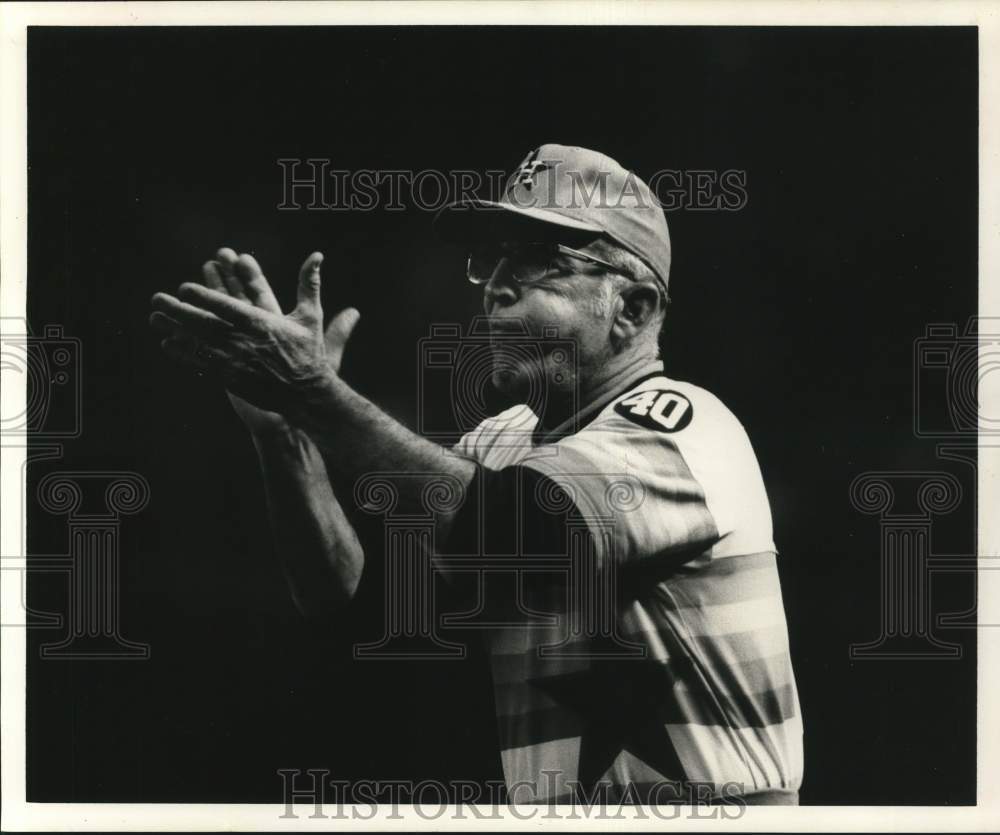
(190, 318)
(226, 259)
(309, 286)
(239, 313)
(213, 276)
(165, 324)
(340, 328)
(255, 285)
(172, 329)
(337, 334)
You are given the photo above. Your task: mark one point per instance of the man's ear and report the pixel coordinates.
(636, 310)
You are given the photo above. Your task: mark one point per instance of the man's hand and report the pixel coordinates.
(233, 326)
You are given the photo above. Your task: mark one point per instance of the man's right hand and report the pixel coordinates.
(242, 278)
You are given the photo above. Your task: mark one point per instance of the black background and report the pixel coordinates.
(150, 148)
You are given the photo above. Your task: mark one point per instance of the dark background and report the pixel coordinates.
(150, 148)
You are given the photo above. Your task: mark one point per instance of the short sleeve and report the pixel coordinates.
(673, 469)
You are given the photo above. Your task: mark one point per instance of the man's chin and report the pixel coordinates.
(520, 383)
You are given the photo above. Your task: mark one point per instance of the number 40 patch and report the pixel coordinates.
(665, 411)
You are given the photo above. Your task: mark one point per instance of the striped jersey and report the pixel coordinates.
(643, 647)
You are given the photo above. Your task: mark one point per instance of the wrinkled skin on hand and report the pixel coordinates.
(233, 328)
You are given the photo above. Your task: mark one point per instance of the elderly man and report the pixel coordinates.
(659, 660)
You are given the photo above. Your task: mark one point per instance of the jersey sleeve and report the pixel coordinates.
(672, 470)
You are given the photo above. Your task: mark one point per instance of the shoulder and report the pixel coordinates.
(665, 426)
(674, 420)
(670, 412)
(683, 449)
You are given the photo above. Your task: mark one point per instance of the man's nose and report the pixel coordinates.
(500, 290)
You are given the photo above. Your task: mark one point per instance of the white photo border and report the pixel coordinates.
(14, 20)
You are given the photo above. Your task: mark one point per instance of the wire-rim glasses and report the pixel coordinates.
(527, 263)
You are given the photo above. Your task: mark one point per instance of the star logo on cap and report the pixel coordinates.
(527, 173)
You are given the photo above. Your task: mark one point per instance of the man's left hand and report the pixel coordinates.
(271, 360)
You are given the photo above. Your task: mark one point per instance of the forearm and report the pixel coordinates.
(316, 544)
(358, 439)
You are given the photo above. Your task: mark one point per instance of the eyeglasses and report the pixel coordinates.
(528, 263)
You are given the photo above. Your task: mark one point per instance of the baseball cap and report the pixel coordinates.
(567, 194)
